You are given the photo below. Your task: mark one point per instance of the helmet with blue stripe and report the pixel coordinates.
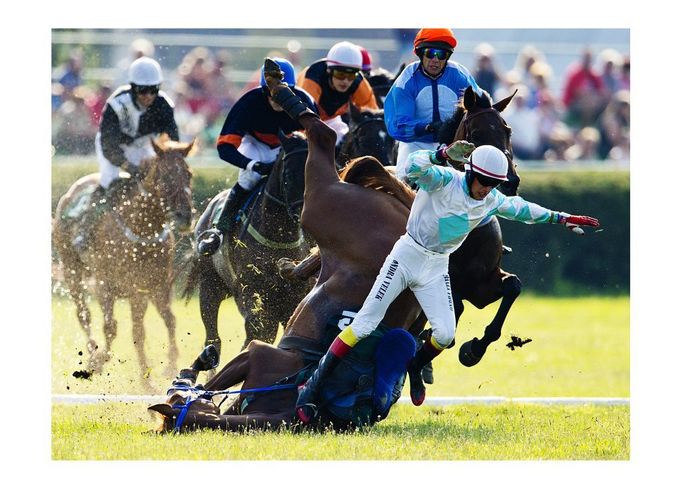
(286, 67)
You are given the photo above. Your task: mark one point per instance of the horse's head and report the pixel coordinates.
(287, 180)
(478, 121)
(367, 135)
(169, 177)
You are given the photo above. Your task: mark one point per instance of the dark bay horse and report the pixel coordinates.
(132, 249)
(475, 272)
(245, 266)
(342, 218)
(367, 136)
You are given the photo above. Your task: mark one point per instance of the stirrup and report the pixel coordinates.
(209, 242)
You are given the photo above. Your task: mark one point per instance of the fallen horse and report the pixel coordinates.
(355, 218)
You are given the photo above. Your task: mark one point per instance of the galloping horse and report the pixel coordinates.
(132, 248)
(367, 136)
(474, 268)
(244, 267)
(342, 218)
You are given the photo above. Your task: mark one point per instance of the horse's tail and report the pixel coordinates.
(191, 267)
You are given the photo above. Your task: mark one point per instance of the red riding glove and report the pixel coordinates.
(574, 222)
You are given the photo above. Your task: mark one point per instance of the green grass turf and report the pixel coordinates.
(579, 347)
(502, 432)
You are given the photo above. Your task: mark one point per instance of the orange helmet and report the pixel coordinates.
(434, 38)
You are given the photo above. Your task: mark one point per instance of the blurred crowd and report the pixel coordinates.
(588, 118)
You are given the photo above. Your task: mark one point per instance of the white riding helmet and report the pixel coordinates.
(490, 162)
(145, 71)
(344, 54)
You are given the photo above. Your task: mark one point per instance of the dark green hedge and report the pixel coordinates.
(551, 259)
(548, 259)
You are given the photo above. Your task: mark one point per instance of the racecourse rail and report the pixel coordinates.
(432, 401)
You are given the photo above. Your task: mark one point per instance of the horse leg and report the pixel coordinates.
(162, 302)
(77, 292)
(212, 292)
(138, 307)
(99, 358)
(471, 352)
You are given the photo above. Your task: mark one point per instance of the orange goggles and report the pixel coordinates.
(344, 75)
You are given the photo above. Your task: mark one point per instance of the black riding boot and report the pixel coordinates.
(424, 355)
(90, 218)
(308, 395)
(210, 240)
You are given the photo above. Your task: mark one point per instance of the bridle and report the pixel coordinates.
(290, 206)
(467, 121)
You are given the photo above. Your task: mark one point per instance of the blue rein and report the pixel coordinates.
(210, 394)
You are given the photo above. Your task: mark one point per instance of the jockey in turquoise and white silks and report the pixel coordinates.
(425, 94)
(449, 204)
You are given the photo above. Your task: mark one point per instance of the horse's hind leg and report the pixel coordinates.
(73, 277)
(138, 307)
(162, 302)
(471, 352)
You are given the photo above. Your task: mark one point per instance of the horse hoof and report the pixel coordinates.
(467, 357)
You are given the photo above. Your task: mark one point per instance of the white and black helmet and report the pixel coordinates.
(145, 71)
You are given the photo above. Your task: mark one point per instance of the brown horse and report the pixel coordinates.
(132, 247)
(244, 267)
(474, 268)
(342, 218)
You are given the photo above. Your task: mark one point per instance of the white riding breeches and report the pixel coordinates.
(426, 274)
(135, 152)
(340, 127)
(257, 151)
(404, 150)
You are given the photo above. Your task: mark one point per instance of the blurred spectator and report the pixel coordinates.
(541, 74)
(72, 128)
(70, 75)
(194, 73)
(96, 101)
(220, 88)
(611, 61)
(625, 74)
(525, 124)
(560, 140)
(584, 94)
(485, 72)
(586, 145)
(549, 111)
(527, 57)
(614, 128)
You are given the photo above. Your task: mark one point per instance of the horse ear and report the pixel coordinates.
(189, 148)
(502, 104)
(157, 148)
(469, 98)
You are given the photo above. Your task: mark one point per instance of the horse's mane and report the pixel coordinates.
(368, 172)
(447, 131)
